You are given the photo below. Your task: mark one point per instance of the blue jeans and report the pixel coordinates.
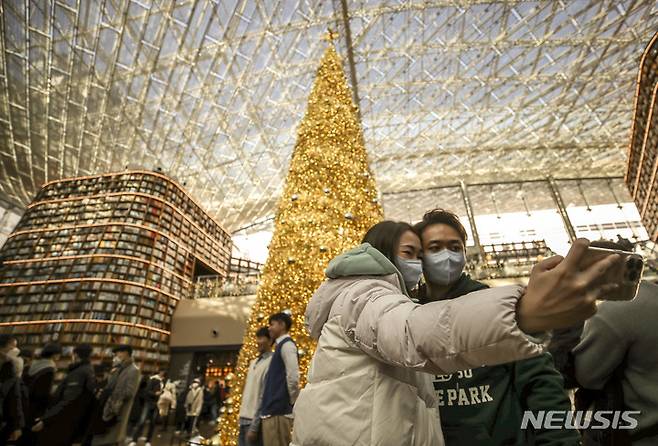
(150, 414)
(242, 437)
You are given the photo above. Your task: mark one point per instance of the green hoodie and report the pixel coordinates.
(484, 406)
(364, 260)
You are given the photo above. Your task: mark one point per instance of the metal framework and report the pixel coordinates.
(212, 91)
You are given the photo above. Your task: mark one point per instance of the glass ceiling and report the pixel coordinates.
(212, 92)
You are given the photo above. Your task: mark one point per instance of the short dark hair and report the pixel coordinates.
(5, 339)
(263, 332)
(608, 244)
(123, 348)
(441, 216)
(83, 351)
(282, 317)
(51, 349)
(385, 237)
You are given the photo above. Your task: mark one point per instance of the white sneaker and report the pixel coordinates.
(132, 443)
(147, 443)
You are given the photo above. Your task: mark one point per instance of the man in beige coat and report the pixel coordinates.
(193, 404)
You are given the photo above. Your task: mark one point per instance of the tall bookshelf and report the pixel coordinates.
(642, 168)
(104, 260)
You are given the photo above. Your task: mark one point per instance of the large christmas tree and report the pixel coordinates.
(329, 201)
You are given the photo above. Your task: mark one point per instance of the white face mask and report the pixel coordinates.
(195, 385)
(116, 361)
(443, 267)
(411, 271)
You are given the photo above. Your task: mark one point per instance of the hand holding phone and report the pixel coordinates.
(625, 274)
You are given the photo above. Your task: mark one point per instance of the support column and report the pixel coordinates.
(471, 218)
(557, 198)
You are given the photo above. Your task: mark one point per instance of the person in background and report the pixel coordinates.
(12, 416)
(65, 420)
(215, 402)
(484, 405)
(154, 388)
(38, 379)
(180, 416)
(28, 356)
(617, 359)
(116, 399)
(167, 402)
(206, 408)
(193, 405)
(138, 403)
(281, 386)
(252, 394)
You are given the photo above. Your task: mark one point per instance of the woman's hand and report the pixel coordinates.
(559, 294)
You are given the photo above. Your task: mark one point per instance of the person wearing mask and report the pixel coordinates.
(365, 384)
(193, 405)
(12, 415)
(65, 420)
(167, 402)
(281, 386)
(249, 418)
(484, 405)
(149, 414)
(117, 399)
(38, 379)
(617, 360)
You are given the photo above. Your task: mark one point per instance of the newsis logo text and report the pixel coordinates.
(580, 419)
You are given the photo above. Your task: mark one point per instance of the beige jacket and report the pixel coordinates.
(194, 401)
(366, 384)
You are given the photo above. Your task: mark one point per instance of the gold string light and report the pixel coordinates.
(328, 203)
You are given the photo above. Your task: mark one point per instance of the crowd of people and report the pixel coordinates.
(118, 406)
(411, 351)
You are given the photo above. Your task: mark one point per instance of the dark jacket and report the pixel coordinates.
(485, 405)
(67, 417)
(12, 416)
(276, 399)
(39, 381)
(153, 390)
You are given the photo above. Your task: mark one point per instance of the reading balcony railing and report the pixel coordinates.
(242, 279)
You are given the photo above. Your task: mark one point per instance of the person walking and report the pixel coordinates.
(65, 420)
(167, 402)
(38, 379)
(193, 405)
(152, 393)
(116, 399)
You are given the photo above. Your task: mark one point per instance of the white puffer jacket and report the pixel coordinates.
(365, 383)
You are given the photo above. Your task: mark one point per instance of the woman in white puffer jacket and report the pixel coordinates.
(366, 384)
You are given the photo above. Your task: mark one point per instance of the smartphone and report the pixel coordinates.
(626, 274)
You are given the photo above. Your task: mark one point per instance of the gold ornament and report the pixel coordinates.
(327, 169)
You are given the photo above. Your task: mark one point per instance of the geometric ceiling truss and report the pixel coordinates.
(212, 92)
